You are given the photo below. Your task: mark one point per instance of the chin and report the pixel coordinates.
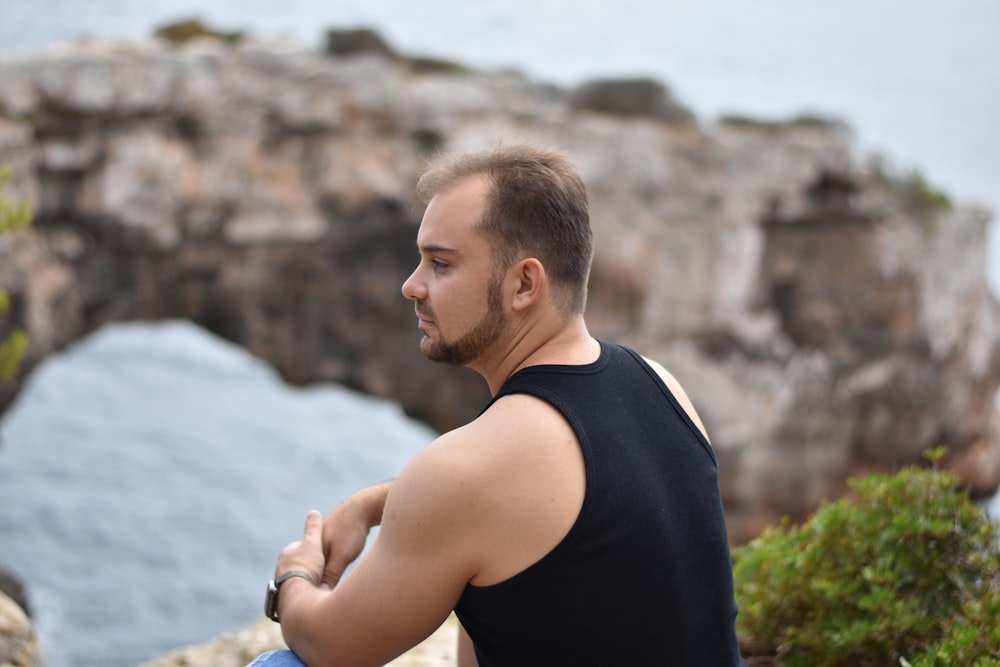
(438, 352)
(430, 348)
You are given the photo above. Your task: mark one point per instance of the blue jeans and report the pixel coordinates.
(277, 659)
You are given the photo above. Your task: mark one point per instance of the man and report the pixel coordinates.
(577, 520)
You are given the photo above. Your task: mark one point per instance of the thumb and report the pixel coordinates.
(314, 527)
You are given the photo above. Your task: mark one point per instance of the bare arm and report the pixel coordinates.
(448, 520)
(401, 590)
(346, 528)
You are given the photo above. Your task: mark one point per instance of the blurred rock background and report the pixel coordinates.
(828, 314)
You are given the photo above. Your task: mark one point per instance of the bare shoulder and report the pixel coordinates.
(505, 488)
(665, 375)
(677, 390)
(483, 448)
(463, 469)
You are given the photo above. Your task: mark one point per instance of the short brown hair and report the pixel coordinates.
(536, 207)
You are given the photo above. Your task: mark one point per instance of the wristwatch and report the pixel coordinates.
(271, 599)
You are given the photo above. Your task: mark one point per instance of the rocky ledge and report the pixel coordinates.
(828, 317)
(19, 645)
(238, 648)
(18, 640)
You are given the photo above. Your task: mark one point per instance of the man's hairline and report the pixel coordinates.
(479, 227)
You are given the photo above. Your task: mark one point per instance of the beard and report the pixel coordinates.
(474, 343)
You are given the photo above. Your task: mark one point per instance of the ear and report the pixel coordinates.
(530, 283)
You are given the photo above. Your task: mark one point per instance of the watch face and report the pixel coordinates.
(271, 601)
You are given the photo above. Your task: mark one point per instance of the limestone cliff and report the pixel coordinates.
(822, 324)
(18, 639)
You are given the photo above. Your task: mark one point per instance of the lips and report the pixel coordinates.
(424, 317)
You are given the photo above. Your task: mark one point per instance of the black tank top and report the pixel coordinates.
(644, 575)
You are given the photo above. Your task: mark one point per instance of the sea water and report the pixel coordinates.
(150, 474)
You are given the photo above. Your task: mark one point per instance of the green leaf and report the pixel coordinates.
(12, 350)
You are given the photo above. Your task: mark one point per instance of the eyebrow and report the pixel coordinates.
(431, 248)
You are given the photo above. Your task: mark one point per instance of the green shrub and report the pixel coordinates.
(970, 640)
(182, 32)
(345, 42)
(911, 190)
(13, 215)
(904, 573)
(12, 350)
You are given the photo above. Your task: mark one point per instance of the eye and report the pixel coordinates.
(439, 265)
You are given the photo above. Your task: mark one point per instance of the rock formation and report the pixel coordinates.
(18, 639)
(13, 588)
(238, 648)
(823, 325)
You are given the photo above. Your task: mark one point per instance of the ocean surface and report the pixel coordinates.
(150, 474)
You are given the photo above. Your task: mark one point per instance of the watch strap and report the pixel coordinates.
(281, 578)
(271, 599)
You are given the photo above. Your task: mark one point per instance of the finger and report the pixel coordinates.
(314, 527)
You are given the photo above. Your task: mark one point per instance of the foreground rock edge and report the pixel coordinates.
(239, 647)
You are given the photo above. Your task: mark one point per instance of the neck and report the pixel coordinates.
(569, 344)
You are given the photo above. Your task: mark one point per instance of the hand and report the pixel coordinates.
(346, 529)
(307, 553)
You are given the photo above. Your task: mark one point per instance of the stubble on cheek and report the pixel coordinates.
(474, 343)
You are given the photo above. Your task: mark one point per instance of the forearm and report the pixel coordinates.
(368, 503)
(346, 528)
(298, 609)
(398, 594)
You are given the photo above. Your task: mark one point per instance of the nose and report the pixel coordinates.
(413, 287)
